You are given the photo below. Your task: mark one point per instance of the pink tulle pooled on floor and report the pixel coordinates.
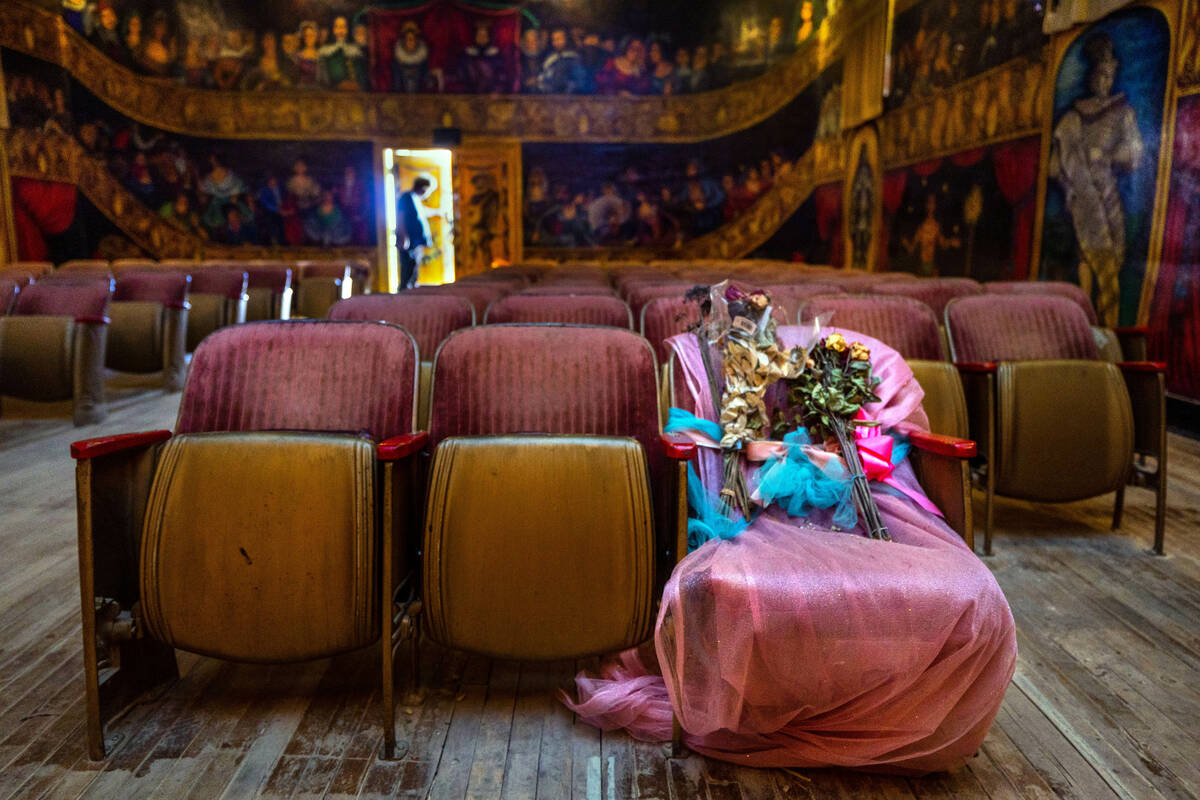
(797, 645)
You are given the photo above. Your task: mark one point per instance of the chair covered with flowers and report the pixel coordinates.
(572, 309)
(218, 299)
(1054, 421)
(149, 325)
(555, 505)
(271, 527)
(429, 318)
(52, 345)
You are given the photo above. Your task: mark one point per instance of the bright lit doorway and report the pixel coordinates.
(400, 168)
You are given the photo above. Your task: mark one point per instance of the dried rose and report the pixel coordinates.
(733, 294)
(859, 352)
(837, 343)
(758, 301)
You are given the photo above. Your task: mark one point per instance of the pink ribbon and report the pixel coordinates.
(875, 452)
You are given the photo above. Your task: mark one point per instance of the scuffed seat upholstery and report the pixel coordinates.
(52, 345)
(553, 506)
(1055, 422)
(271, 527)
(149, 325)
(569, 309)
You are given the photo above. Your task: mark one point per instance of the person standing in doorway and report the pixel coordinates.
(412, 229)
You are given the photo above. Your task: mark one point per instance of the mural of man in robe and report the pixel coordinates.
(1094, 141)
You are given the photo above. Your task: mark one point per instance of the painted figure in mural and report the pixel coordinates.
(194, 64)
(219, 187)
(132, 38)
(230, 63)
(625, 74)
(337, 58)
(353, 198)
(700, 79)
(360, 63)
(681, 81)
(929, 239)
(562, 71)
(483, 219)
(307, 59)
(268, 73)
(77, 14)
(410, 61)
(412, 229)
(564, 225)
(106, 35)
(327, 226)
(661, 72)
(158, 53)
(776, 46)
(482, 67)
(270, 212)
(531, 59)
(1094, 141)
(805, 29)
(303, 193)
(862, 211)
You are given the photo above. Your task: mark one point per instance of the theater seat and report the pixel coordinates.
(1055, 422)
(218, 299)
(52, 345)
(933, 292)
(571, 309)
(320, 284)
(89, 265)
(555, 507)
(429, 318)
(8, 294)
(149, 325)
(271, 527)
(268, 290)
(26, 272)
(478, 293)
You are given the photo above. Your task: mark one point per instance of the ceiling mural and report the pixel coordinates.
(550, 47)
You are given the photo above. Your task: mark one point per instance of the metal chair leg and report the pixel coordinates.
(676, 749)
(1118, 507)
(1160, 505)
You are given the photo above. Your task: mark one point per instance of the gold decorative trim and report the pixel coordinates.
(344, 115)
(57, 157)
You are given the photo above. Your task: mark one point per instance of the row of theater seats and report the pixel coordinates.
(536, 516)
(1118, 409)
(61, 328)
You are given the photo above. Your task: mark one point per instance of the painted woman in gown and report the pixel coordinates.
(795, 644)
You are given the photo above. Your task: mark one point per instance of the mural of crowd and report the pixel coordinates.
(263, 193)
(440, 46)
(938, 43)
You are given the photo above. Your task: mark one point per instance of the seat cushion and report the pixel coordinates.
(1018, 328)
(37, 356)
(539, 547)
(261, 547)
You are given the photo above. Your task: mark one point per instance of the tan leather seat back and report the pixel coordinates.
(135, 337)
(1065, 430)
(206, 315)
(944, 403)
(260, 304)
(315, 296)
(36, 357)
(528, 537)
(424, 388)
(262, 546)
(1108, 345)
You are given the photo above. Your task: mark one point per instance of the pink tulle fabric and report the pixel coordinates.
(797, 645)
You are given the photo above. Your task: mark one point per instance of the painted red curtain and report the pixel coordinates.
(893, 195)
(1016, 166)
(40, 209)
(969, 158)
(1175, 311)
(448, 28)
(927, 168)
(828, 199)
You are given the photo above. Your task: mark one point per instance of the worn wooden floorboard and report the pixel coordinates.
(1105, 702)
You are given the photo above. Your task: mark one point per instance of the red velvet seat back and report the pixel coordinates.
(788, 297)
(315, 375)
(135, 264)
(640, 296)
(230, 283)
(278, 279)
(167, 287)
(562, 308)
(480, 295)
(663, 318)
(906, 325)
(8, 294)
(495, 379)
(26, 272)
(1058, 288)
(1018, 328)
(83, 298)
(320, 269)
(429, 318)
(569, 287)
(933, 292)
(84, 265)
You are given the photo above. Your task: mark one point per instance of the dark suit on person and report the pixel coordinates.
(413, 236)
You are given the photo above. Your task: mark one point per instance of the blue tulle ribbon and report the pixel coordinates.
(705, 519)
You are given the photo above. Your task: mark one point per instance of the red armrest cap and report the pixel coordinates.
(678, 448)
(401, 446)
(941, 445)
(93, 320)
(105, 445)
(982, 366)
(1142, 366)
(1141, 330)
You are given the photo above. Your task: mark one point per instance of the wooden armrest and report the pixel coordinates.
(678, 447)
(106, 445)
(401, 446)
(976, 367)
(1142, 366)
(936, 443)
(93, 320)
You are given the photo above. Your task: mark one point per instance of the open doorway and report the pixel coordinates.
(400, 169)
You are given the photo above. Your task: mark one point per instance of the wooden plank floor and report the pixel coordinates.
(1105, 702)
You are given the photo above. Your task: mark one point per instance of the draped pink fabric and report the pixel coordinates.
(1016, 165)
(795, 645)
(40, 209)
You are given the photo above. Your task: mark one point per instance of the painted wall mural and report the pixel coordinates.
(937, 43)
(452, 46)
(1107, 123)
(271, 194)
(660, 196)
(1175, 309)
